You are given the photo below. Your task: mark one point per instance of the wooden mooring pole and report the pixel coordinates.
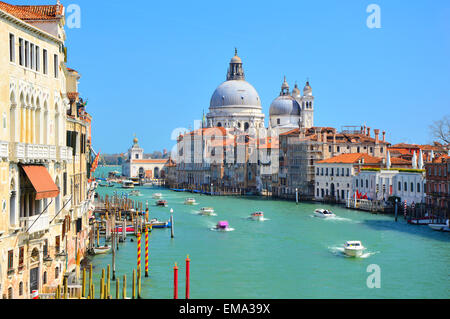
(175, 282)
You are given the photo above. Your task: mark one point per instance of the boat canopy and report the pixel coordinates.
(223, 224)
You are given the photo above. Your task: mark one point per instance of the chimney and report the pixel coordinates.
(384, 136)
(368, 131)
(377, 133)
(365, 129)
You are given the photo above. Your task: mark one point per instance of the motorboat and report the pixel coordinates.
(323, 213)
(135, 193)
(207, 211)
(157, 195)
(127, 184)
(101, 250)
(222, 226)
(258, 216)
(353, 248)
(190, 201)
(162, 203)
(128, 230)
(440, 227)
(159, 224)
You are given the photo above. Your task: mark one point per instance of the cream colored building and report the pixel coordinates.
(36, 165)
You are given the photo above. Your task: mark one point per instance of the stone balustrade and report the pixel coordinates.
(36, 223)
(4, 150)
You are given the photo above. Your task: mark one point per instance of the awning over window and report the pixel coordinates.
(42, 181)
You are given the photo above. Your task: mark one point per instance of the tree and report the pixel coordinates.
(440, 130)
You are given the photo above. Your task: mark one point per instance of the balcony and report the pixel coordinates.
(30, 153)
(36, 223)
(4, 150)
(65, 154)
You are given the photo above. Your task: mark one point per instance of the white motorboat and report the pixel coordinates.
(353, 248)
(189, 201)
(127, 184)
(258, 216)
(207, 211)
(157, 195)
(135, 193)
(323, 213)
(440, 227)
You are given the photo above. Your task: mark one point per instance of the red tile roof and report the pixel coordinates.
(26, 13)
(351, 158)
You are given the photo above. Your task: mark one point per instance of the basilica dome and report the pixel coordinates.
(235, 93)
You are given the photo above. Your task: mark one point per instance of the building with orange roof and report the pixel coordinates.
(333, 176)
(302, 148)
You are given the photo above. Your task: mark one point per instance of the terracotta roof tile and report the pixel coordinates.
(40, 12)
(351, 158)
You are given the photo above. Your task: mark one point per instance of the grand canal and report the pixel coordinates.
(292, 255)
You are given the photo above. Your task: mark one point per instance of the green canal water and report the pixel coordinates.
(291, 255)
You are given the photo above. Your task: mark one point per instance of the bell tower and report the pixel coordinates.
(307, 106)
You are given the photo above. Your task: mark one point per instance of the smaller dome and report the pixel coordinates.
(307, 89)
(284, 105)
(135, 140)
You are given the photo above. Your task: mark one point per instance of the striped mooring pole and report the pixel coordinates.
(139, 252)
(404, 209)
(146, 251)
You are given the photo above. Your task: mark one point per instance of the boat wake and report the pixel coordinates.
(211, 214)
(261, 220)
(339, 251)
(222, 230)
(337, 219)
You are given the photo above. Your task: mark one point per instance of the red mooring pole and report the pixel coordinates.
(175, 282)
(188, 261)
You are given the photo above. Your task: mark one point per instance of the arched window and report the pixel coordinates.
(246, 126)
(219, 124)
(21, 288)
(412, 187)
(10, 293)
(405, 187)
(399, 186)
(56, 272)
(44, 278)
(418, 187)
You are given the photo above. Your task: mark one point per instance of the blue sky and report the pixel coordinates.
(149, 67)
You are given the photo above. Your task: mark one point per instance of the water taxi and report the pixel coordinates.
(101, 250)
(207, 211)
(353, 248)
(222, 226)
(420, 221)
(127, 184)
(157, 196)
(258, 216)
(162, 203)
(323, 213)
(189, 201)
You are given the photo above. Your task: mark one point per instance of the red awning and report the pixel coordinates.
(42, 181)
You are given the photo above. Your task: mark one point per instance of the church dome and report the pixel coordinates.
(307, 90)
(296, 92)
(284, 105)
(235, 93)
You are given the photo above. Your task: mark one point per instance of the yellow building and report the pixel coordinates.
(41, 190)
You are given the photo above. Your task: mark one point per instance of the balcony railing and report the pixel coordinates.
(4, 149)
(65, 153)
(36, 223)
(23, 152)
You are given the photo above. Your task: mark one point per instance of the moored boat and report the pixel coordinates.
(258, 216)
(421, 221)
(101, 250)
(323, 213)
(353, 248)
(159, 224)
(440, 227)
